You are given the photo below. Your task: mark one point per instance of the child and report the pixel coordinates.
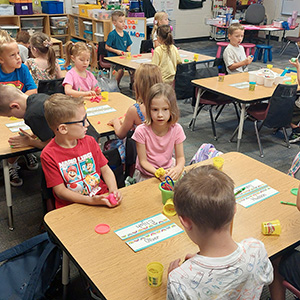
(234, 54)
(160, 18)
(65, 158)
(157, 139)
(118, 42)
(166, 55)
(223, 269)
(145, 77)
(80, 82)
(45, 65)
(22, 39)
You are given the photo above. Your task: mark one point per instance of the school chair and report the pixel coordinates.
(146, 46)
(50, 87)
(292, 289)
(291, 39)
(221, 45)
(101, 53)
(264, 51)
(255, 14)
(277, 113)
(130, 155)
(249, 48)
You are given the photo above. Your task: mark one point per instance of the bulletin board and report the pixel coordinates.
(136, 28)
(288, 6)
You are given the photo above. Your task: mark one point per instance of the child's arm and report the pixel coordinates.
(69, 91)
(245, 62)
(141, 152)
(58, 71)
(156, 43)
(128, 48)
(116, 51)
(31, 92)
(297, 65)
(176, 171)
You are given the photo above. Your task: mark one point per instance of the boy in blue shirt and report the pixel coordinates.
(13, 72)
(118, 42)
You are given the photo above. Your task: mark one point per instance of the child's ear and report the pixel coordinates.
(14, 105)
(62, 128)
(186, 222)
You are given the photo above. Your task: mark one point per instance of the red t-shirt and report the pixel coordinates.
(78, 168)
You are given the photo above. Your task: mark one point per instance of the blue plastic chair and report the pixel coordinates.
(265, 51)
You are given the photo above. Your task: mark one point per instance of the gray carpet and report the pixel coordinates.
(27, 204)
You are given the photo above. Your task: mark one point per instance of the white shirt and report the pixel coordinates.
(233, 55)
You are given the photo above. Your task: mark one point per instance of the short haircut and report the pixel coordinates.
(5, 38)
(60, 108)
(235, 26)
(145, 76)
(23, 36)
(205, 195)
(166, 91)
(116, 14)
(8, 94)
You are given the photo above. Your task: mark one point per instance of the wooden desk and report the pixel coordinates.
(243, 96)
(115, 270)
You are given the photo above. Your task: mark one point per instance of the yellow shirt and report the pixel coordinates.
(166, 62)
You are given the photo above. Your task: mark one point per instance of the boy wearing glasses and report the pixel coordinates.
(72, 161)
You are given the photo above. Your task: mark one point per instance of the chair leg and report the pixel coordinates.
(256, 55)
(219, 112)
(270, 54)
(260, 52)
(286, 137)
(236, 111)
(284, 48)
(198, 111)
(265, 56)
(219, 52)
(258, 139)
(234, 134)
(212, 122)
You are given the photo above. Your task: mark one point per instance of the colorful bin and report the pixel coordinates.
(83, 9)
(23, 8)
(52, 7)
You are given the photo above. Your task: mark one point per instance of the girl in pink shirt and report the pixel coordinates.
(79, 82)
(160, 136)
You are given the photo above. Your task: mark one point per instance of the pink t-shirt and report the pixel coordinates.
(80, 83)
(159, 149)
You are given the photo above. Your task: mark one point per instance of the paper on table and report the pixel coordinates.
(99, 110)
(241, 85)
(142, 60)
(154, 237)
(255, 191)
(14, 127)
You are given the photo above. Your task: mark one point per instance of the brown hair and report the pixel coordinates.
(5, 38)
(235, 26)
(116, 14)
(157, 17)
(8, 94)
(61, 108)
(165, 35)
(77, 48)
(167, 92)
(23, 36)
(205, 195)
(144, 77)
(42, 43)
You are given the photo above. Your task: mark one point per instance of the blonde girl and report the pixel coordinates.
(80, 82)
(166, 55)
(44, 65)
(160, 136)
(145, 77)
(160, 18)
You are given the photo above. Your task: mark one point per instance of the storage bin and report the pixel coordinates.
(52, 7)
(20, 1)
(99, 27)
(75, 9)
(88, 26)
(101, 14)
(58, 30)
(11, 29)
(6, 10)
(99, 37)
(23, 8)
(136, 14)
(32, 22)
(83, 9)
(35, 29)
(59, 21)
(88, 35)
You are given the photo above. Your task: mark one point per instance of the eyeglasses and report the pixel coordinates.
(75, 122)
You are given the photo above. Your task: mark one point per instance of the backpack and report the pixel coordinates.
(295, 165)
(29, 268)
(204, 152)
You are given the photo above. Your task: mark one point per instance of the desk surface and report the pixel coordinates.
(117, 271)
(147, 57)
(244, 95)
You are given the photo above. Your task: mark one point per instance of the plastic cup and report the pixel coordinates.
(269, 67)
(218, 162)
(293, 78)
(221, 77)
(104, 96)
(169, 209)
(252, 85)
(128, 55)
(165, 194)
(196, 57)
(155, 272)
(271, 227)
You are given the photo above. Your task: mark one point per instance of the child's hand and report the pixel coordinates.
(113, 122)
(98, 90)
(173, 265)
(174, 173)
(249, 60)
(21, 140)
(120, 52)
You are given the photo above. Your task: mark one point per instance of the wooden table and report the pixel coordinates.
(118, 101)
(115, 270)
(243, 96)
(132, 63)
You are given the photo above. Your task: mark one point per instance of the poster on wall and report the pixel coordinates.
(189, 4)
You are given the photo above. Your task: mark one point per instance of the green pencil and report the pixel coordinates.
(239, 191)
(288, 203)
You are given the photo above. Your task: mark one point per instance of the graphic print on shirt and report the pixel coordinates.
(80, 175)
(17, 84)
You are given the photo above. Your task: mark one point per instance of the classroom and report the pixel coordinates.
(130, 222)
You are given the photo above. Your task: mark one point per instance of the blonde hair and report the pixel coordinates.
(206, 196)
(8, 94)
(165, 35)
(42, 43)
(157, 18)
(79, 47)
(144, 77)
(165, 91)
(235, 26)
(117, 14)
(61, 108)
(5, 38)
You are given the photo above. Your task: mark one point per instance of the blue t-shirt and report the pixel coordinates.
(20, 78)
(116, 41)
